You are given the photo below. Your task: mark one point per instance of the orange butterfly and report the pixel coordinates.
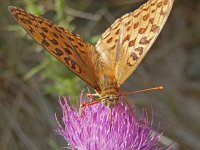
(117, 53)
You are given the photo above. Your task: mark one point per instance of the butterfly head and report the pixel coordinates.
(110, 101)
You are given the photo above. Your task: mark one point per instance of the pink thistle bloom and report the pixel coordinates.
(92, 130)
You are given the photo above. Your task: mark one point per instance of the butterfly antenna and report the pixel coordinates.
(145, 90)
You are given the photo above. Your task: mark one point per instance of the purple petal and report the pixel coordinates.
(92, 130)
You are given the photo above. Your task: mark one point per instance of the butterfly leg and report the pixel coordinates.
(87, 104)
(111, 120)
(129, 106)
(95, 94)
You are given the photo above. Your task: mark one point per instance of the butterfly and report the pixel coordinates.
(117, 53)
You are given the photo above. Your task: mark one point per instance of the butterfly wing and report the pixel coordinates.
(130, 37)
(68, 48)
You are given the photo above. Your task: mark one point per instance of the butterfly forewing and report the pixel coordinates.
(67, 47)
(129, 38)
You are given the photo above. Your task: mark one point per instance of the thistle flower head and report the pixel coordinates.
(92, 131)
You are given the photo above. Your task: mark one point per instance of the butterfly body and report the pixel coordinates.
(117, 53)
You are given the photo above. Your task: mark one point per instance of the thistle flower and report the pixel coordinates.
(92, 130)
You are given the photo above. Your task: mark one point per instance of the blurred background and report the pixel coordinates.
(31, 80)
